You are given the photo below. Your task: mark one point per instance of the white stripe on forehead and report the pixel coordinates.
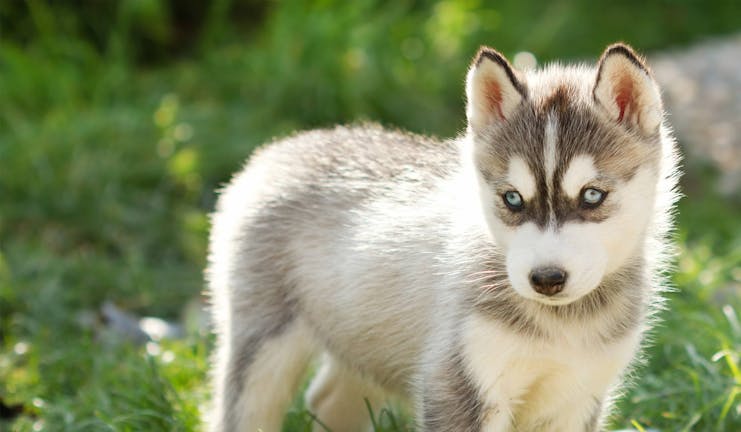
(550, 139)
(549, 150)
(520, 176)
(580, 172)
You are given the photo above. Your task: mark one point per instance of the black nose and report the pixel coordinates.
(548, 280)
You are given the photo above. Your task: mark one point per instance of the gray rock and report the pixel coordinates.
(702, 91)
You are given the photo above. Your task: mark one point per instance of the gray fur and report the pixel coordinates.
(593, 424)
(451, 402)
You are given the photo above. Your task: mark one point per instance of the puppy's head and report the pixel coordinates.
(567, 160)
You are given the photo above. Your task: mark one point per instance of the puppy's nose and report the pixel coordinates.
(548, 280)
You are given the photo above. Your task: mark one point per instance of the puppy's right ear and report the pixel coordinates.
(493, 90)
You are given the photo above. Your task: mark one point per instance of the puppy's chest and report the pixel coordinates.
(519, 370)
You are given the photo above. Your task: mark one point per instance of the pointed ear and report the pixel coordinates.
(492, 89)
(626, 90)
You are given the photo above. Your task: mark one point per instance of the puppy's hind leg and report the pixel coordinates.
(337, 397)
(257, 378)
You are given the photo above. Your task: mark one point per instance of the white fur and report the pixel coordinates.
(574, 248)
(580, 172)
(526, 381)
(521, 177)
(549, 150)
(338, 396)
(284, 360)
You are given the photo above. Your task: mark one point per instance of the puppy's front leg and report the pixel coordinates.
(451, 402)
(579, 414)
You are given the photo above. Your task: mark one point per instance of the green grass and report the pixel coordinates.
(108, 167)
(691, 380)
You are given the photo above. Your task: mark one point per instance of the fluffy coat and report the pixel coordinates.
(407, 262)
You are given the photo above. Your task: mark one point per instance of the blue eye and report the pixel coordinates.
(591, 197)
(513, 200)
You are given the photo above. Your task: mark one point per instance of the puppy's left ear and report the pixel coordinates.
(626, 90)
(493, 90)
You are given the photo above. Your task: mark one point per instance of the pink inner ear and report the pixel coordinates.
(624, 97)
(494, 97)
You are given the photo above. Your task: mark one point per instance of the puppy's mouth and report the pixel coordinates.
(555, 300)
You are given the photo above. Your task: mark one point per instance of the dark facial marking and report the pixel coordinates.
(558, 101)
(617, 152)
(568, 209)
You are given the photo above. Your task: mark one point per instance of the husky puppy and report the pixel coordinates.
(501, 281)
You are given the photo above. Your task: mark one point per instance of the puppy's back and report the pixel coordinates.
(322, 225)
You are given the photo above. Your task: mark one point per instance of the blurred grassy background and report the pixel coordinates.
(119, 119)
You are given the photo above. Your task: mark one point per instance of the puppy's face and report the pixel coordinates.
(567, 162)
